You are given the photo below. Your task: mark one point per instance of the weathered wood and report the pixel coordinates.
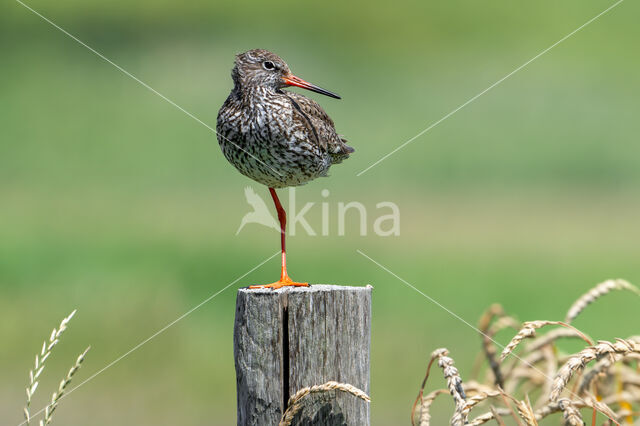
(291, 338)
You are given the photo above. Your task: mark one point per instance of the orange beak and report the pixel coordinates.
(292, 80)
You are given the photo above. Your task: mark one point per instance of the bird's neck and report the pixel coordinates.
(252, 94)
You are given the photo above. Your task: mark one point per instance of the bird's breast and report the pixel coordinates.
(268, 123)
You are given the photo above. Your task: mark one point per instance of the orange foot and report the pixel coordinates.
(283, 282)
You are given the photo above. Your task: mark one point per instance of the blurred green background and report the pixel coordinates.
(114, 202)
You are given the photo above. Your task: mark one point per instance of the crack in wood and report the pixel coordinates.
(292, 338)
(285, 352)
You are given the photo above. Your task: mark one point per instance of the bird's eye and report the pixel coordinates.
(268, 65)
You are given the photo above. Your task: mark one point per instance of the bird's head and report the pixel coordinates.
(261, 68)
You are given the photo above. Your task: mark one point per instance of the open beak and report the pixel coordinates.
(292, 80)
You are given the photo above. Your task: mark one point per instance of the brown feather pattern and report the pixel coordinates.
(275, 137)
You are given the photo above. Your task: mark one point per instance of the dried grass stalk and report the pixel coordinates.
(502, 323)
(550, 372)
(487, 417)
(544, 373)
(579, 361)
(571, 414)
(529, 330)
(488, 328)
(425, 406)
(41, 358)
(547, 410)
(55, 398)
(497, 416)
(526, 412)
(490, 353)
(480, 394)
(479, 398)
(597, 292)
(522, 367)
(551, 337)
(295, 402)
(495, 310)
(473, 387)
(555, 407)
(592, 402)
(506, 398)
(434, 355)
(600, 369)
(454, 384)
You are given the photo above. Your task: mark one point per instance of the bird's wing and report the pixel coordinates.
(320, 127)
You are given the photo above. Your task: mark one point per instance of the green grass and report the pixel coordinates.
(115, 202)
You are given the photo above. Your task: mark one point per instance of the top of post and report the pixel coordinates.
(313, 288)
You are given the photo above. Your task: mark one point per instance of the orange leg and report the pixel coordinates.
(284, 277)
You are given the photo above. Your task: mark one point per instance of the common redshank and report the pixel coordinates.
(276, 137)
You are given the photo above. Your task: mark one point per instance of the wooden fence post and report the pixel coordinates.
(291, 338)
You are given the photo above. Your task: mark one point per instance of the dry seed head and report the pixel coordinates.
(571, 414)
(579, 361)
(600, 369)
(490, 353)
(494, 310)
(487, 417)
(550, 408)
(506, 398)
(482, 392)
(597, 292)
(454, 384)
(34, 374)
(295, 402)
(526, 412)
(479, 398)
(502, 323)
(551, 337)
(547, 410)
(489, 328)
(529, 330)
(555, 406)
(600, 406)
(55, 398)
(541, 356)
(471, 402)
(425, 406)
(434, 355)
(473, 387)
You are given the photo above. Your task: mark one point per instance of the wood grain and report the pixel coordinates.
(287, 339)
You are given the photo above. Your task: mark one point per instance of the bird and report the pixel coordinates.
(274, 136)
(260, 213)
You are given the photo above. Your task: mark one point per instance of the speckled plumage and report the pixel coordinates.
(273, 136)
